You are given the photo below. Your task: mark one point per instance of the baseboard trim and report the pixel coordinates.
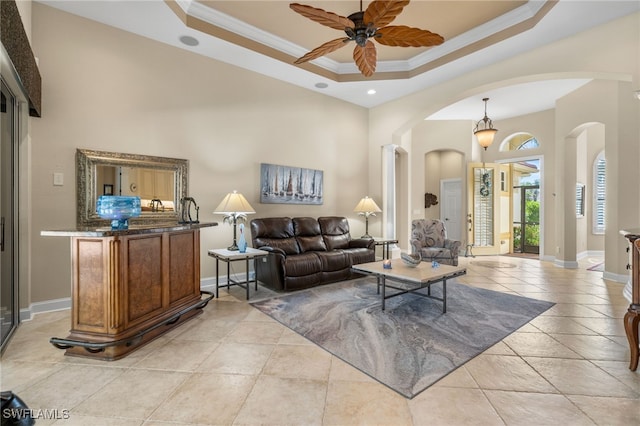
(619, 278)
(590, 253)
(567, 264)
(27, 314)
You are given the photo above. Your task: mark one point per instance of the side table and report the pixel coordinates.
(385, 243)
(228, 256)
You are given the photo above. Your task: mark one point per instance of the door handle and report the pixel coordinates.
(2, 234)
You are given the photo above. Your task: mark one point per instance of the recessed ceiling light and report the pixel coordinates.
(322, 85)
(189, 41)
(371, 92)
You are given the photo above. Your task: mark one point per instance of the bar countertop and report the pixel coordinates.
(634, 232)
(106, 231)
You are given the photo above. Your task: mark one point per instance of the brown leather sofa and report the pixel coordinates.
(306, 252)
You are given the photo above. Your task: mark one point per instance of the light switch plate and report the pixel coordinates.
(58, 179)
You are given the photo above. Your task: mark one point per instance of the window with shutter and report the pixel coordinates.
(599, 193)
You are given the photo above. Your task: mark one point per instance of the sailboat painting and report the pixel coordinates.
(290, 185)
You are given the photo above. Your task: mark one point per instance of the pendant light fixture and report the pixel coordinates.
(484, 130)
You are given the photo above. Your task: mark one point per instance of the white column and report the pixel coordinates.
(389, 190)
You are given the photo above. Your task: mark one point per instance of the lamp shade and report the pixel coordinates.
(234, 202)
(484, 130)
(367, 205)
(485, 137)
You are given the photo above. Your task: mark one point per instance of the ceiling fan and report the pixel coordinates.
(365, 25)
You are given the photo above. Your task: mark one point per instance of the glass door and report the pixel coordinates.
(8, 219)
(526, 219)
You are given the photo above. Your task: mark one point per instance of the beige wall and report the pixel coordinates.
(109, 90)
(609, 54)
(440, 150)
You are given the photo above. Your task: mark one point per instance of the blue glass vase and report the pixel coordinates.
(118, 209)
(242, 242)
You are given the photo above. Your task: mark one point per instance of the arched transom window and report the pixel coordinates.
(519, 141)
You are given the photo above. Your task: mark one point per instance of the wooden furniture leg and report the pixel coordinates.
(631, 322)
(632, 317)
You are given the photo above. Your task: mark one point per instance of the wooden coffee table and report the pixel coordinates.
(413, 279)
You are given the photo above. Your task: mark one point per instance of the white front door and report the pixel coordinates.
(484, 208)
(451, 198)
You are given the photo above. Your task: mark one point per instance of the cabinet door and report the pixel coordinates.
(184, 267)
(144, 280)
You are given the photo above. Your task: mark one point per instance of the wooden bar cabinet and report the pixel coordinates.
(130, 286)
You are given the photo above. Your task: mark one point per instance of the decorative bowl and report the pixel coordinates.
(411, 260)
(118, 209)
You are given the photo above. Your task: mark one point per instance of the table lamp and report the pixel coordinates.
(235, 208)
(367, 207)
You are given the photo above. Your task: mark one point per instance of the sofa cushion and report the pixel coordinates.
(430, 232)
(333, 260)
(360, 255)
(311, 244)
(305, 226)
(302, 264)
(288, 245)
(276, 232)
(435, 252)
(307, 231)
(335, 232)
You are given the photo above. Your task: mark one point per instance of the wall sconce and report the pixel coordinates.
(235, 208)
(367, 207)
(486, 133)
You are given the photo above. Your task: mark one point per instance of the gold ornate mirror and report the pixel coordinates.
(160, 183)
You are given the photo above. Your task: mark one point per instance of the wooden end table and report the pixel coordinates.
(386, 244)
(228, 256)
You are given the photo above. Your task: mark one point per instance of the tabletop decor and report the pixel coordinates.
(186, 213)
(411, 260)
(119, 209)
(242, 242)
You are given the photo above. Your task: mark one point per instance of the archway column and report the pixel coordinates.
(389, 190)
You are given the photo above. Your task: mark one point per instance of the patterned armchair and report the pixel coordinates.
(429, 239)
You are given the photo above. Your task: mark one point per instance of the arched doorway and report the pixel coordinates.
(522, 187)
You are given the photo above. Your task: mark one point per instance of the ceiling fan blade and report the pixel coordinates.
(365, 58)
(322, 50)
(381, 12)
(404, 36)
(323, 17)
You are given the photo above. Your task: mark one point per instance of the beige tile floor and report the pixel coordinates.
(234, 365)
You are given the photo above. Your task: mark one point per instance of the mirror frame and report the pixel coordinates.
(86, 195)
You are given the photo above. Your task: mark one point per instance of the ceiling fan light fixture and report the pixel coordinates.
(484, 130)
(363, 27)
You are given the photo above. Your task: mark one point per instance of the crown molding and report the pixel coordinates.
(480, 37)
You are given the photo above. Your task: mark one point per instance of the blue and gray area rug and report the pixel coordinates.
(411, 344)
